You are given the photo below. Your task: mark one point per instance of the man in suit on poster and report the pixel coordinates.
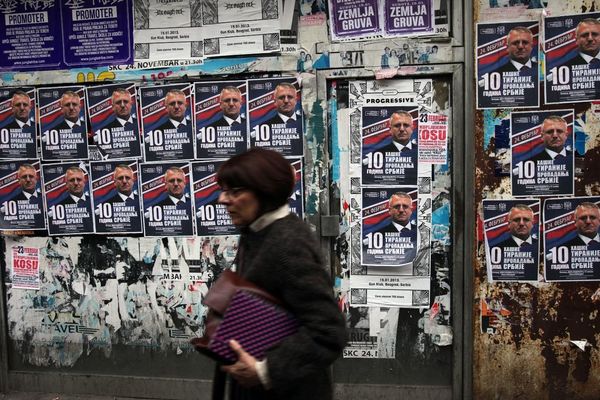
(554, 132)
(21, 109)
(175, 187)
(30, 194)
(401, 129)
(175, 103)
(587, 35)
(124, 181)
(28, 179)
(230, 101)
(176, 201)
(70, 107)
(400, 210)
(520, 224)
(121, 107)
(587, 222)
(285, 101)
(75, 182)
(519, 43)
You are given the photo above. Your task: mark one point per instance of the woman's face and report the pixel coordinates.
(241, 204)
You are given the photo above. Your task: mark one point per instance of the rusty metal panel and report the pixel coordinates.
(523, 333)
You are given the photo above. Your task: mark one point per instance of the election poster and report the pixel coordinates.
(25, 271)
(21, 204)
(112, 110)
(17, 123)
(68, 201)
(167, 122)
(115, 195)
(166, 198)
(507, 65)
(572, 58)
(358, 19)
(408, 17)
(433, 138)
(297, 198)
(63, 126)
(212, 218)
(168, 30)
(389, 231)
(571, 240)
(542, 161)
(275, 115)
(220, 119)
(30, 34)
(241, 27)
(389, 139)
(97, 33)
(512, 245)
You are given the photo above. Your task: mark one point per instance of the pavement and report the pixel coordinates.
(57, 396)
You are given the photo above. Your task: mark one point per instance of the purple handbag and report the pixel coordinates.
(242, 311)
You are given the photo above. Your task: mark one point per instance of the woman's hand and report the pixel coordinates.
(244, 370)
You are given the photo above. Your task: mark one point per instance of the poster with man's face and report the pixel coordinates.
(113, 117)
(115, 195)
(511, 229)
(167, 122)
(542, 161)
(63, 125)
(17, 123)
(21, 203)
(166, 198)
(572, 46)
(212, 218)
(68, 201)
(220, 119)
(389, 142)
(571, 240)
(389, 231)
(275, 115)
(507, 64)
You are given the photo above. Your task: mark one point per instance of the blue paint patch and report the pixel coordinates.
(440, 221)
(580, 136)
(335, 147)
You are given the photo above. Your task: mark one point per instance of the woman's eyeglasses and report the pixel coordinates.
(233, 192)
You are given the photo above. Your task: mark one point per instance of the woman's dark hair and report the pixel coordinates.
(264, 172)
